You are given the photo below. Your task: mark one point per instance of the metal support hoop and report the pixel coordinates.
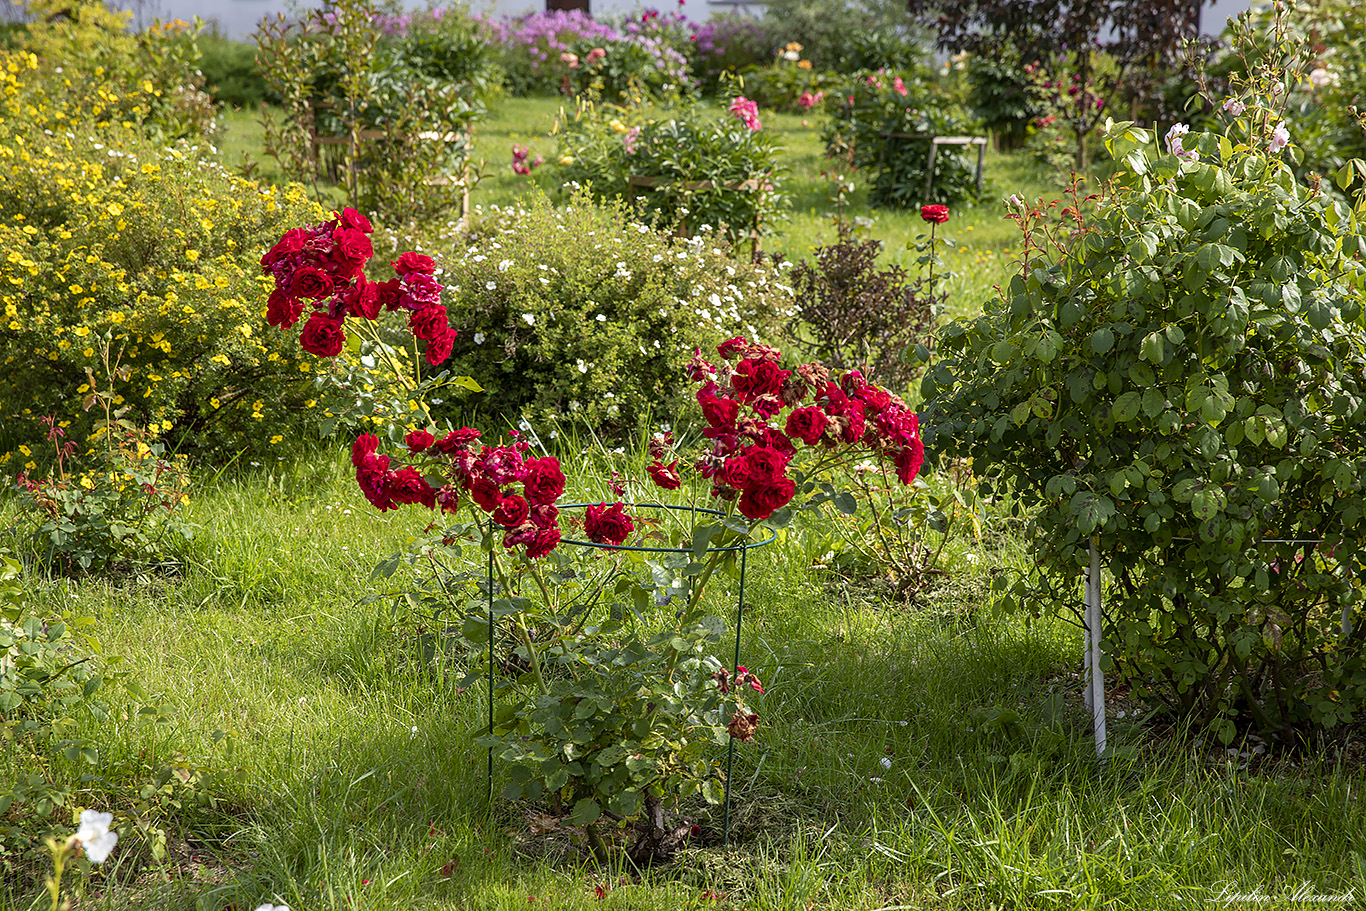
(743, 549)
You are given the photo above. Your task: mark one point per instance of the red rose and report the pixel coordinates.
(283, 311)
(365, 445)
(807, 424)
(310, 283)
(775, 439)
(544, 480)
(456, 439)
(545, 515)
(363, 299)
(439, 348)
(413, 262)
(289, 245)
(419, 440)
(665, 476)
(389, 294)
(322, 336)
(848, 421)
(428, 322)
(764, 465)
(758, 378)
(376, 481)
(607, 524)
(732, 347)
(512, 511)
(526, 533)
(547, 539)
(410, 487)
(485, 493)
(935, 214)
(761, 502)
(720, 413)
(352, 251)
(354, 220)
(908, 462)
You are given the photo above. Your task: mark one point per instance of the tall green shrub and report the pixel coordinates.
(1185, 383)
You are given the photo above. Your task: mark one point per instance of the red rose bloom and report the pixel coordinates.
(807, 424)
(290, 244)
(908, 462)
(363, 299)
(935, 214)
(732, 347)
(607, 524)
(456, 439)
(764, 465)
(419, 440)
(354, 220)
(410, 487)
(547, 539)
(439, 348)
(720, 413)
(760, 502)
(754, 379)
(512, 511)
(389, 294)
(322, 336)
(310, 283)
(352, 251)
(414, 262)
(665, 476)
(376, 481)
(544, 480)
(428, 322)
(544, 515)
(485, 493)
(283, 311)
(365, 445)
(526, 533)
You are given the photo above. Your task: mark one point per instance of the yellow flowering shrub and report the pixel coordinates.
(108, 241)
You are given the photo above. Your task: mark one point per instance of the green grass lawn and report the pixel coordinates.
(931, 755)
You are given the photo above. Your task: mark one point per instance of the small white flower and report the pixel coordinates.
(886, 763)
(504, 265)
(583, 368)
(479, 338)
(94, 835)
(270, 907)
(1235, 107)
(529, 318)
(792, 56)
(601, 317)
(875, 780)
(491, 285)
(1280, 138)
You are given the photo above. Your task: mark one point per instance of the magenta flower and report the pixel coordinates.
(747, 112)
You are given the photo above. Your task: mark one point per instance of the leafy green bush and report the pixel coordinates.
(882, 123)
(155, 250)
(574, 309)
(690, 170)
(1185, 382)
(999, 95)
(837, 35)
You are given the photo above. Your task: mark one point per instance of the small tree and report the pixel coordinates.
(1104, 49)
(1184, 383)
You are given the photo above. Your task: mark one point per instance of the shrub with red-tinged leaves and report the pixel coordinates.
(323, 266)
(761, 416)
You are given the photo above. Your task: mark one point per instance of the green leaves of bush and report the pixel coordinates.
(1186, 382)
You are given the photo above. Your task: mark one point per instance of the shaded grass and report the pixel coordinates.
(349, 777)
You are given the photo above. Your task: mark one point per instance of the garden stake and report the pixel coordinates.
(1095, 684)
(490, 580)
(730, 747)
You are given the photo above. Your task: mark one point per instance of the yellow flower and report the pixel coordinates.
(25, 450)
(804, 64)
(275, 439)
(615, 125)
(566, 159)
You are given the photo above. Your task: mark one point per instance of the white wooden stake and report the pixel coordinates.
(1095, 677)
